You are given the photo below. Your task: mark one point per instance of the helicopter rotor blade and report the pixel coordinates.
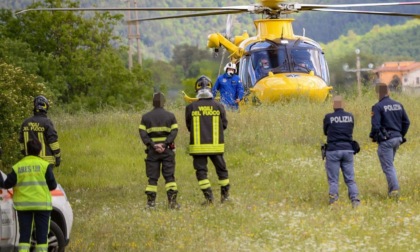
(326, 6)
(229, 23)
(230, 8)
(200, 14)
(273, 8)
(371, 12)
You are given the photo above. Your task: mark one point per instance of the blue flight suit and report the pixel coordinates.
(390, 123)
(230, 87)
(338, 127)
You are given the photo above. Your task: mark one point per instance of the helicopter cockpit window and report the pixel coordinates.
(264, 62)
(305, 60)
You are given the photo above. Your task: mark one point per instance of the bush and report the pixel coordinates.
(16, 103)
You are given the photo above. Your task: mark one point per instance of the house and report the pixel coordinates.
(403, 75)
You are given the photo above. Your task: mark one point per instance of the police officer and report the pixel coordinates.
(40, 127)
(390, 123)
(206, 120)
(338, 127)
(230, 87)
(158, 130)
(32, 179)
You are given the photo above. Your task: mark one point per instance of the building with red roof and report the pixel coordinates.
(403, 75)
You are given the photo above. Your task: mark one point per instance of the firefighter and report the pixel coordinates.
(32, 179)
(230, 87)
(206, 120)
(158, 130)
(40, 127)
(338, 127)
(390, 124)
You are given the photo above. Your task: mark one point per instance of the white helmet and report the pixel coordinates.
(231, 66)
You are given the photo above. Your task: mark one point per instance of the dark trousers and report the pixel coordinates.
(42, 225)
(154, 162)
(200, 166)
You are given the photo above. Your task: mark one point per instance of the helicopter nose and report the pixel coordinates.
(291, 86)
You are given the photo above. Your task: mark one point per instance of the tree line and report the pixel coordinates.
(80, 65)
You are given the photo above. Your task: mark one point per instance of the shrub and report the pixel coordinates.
(17, 92)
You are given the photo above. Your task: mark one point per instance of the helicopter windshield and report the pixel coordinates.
(290, 57)
(269, 61)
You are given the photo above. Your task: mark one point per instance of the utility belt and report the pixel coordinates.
(383, 135)
(354, 144)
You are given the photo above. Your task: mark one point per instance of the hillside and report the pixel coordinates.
(158, 38)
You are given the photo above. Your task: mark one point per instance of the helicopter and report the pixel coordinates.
(275, 64)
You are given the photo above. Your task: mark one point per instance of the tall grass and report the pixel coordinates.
(279, 187)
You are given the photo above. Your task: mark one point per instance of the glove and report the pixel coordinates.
(404, 140)
(57, 161)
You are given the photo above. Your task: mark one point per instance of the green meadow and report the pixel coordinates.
(279, 190)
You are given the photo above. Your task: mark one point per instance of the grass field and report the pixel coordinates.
(279, 187)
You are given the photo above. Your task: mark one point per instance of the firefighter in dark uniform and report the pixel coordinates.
(338, 127)
(206, 120)
(32, 179)
(390, 123)
(40, 127)
(158, 130)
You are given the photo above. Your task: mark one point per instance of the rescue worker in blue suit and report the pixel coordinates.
(338, 127)
(32, 179)
(230, 87)
(390, 124)
(206, 120)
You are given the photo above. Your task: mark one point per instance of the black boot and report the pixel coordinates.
(151, 197)
(208, 194)
(172, 199)
(224, 192)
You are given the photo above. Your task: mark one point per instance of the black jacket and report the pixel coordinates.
(338, 127)
(388, 117)
(158, 126)
(40, 127)
(206, 120)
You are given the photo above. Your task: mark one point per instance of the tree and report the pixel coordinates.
(77, 56)
(185, 55)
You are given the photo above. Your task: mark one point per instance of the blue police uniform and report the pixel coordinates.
(390, 124)
(338, 127)
(230, 87)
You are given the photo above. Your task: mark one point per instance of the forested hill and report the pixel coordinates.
(158, 38)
